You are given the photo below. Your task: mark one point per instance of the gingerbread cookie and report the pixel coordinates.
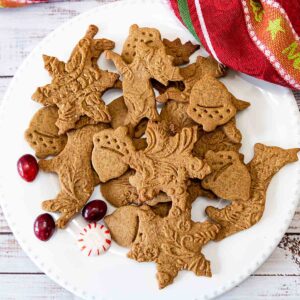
(191, 74)
(174, 113)
(180, 52)
(120, 192)
(149, 36)
(118, 112)
(76, 175)
(224, 138)
(42, 134)
(77, 85)
(162, 209)
(230, 178)
(240, 215)
(164, 166)
(174, 242)
(211, 104)
(138, 93)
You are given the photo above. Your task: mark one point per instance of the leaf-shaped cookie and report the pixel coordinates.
(211, 104)
(180, 52)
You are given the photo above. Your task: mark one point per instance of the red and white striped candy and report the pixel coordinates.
(94, 239)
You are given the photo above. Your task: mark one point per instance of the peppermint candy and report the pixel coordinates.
(94, 239)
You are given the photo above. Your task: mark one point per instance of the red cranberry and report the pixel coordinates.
(94, 210)
(28, 167)
(44, 227)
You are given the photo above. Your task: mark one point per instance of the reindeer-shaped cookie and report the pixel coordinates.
(77, 85)
(148, 62)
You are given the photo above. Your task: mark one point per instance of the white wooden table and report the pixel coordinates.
(20, 30)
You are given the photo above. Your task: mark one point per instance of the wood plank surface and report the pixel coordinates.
(20, 31)
(32, 286)
(284, 261)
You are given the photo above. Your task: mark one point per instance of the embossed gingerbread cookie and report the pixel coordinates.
(164, 166)
(77, 85)
(175, 115)
(173, 242)
(149, 36)
(211, 104)
(42, 134)
(138, 93)
(76, 175)
(120, 192)
(240, 215)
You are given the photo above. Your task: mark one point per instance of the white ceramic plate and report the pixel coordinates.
(273, 118)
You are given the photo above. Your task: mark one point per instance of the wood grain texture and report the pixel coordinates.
(20, 31)
(284, 261)
(31, 287)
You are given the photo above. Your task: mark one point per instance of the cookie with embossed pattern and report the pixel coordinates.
(211, 104)
(120, 192)
(149, 36)
(42, 133)
(77, 85)
(242, 214)
(173, 242)
(166, 165)
(75, 172)
(191, 74)
(138, 93)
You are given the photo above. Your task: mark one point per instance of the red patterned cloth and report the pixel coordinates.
(256, 37)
